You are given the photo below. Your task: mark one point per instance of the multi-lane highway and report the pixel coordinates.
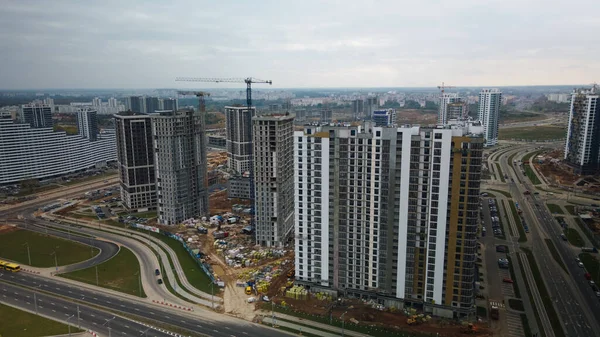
(214, 325)
(86, 317)
(573, 304)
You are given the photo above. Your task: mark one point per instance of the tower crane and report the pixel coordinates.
(201, 98)
(443, 87)
(248, 81)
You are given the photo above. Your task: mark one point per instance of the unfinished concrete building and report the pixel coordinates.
(274, 178)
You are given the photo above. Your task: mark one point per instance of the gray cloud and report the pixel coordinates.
(139, 44)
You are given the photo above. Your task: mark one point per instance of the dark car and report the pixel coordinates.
(160, 281)
(157, 272)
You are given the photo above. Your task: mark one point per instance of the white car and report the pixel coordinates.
(580, 265)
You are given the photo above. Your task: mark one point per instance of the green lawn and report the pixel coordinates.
(514, 277)
(571, 209)
(591, 265)
(584, 228)
(506, 194)
(522, 234)
(555, 209)
(499, 170)
(533, 133)
(196, 276)
(531, 175)
(41, 246)
(574, 238)
(147, 215)
(511, 158)
(516, 304)
(18, 323)
(528, 156)
(117, 274)
(546, 299)
(512, 233)
(555, 254)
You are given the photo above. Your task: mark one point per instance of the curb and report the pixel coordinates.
(173, 305)
(161, 330)
(30, 271)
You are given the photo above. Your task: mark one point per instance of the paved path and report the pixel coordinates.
(320, 326)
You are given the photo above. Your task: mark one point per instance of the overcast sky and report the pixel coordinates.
(146, 44)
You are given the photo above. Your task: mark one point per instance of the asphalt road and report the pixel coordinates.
(107, 249)
(574, 309)
(223, 327)
(59, 309)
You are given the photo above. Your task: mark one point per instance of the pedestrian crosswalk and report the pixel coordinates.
(514, 324)
(497, 304)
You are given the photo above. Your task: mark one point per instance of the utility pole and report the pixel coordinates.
(96, 275)
(108, 322)
(28, 254)
(212, 294)
(342, 317)
(69, 324)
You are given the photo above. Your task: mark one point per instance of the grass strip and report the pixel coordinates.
(584, 228)
(513, 277)
(500, 173)
(506, 194)
(373, 331)
(517, 218)
(535, 309)
(512, 233)
(574, 237)
(13, 246)
(526, 327)
(120, 273)
(571, 209)
(546, 299)
(555, 209)
(16, 322)
(516, 304)
(591, 265)
(555, 254)
(531, 175)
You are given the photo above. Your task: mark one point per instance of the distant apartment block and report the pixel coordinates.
(559, 98)
(181, 167)
(87, 124)
(358, 108)
(451, 107)
(389, 214)
(136, 104)
(168, 104)
(326, 116)
(37, 115)
(40, 153)
(152, 105)
(489, 109)
(239, 138)
(582, 149)
(273, 178)
(135, 153)
(384, 117)
(371, 104)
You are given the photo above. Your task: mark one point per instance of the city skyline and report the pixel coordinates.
(148, 45)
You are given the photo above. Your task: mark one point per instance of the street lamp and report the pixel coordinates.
(145, 333)
(55, 260)
(28, 254)
(108, 322)
(68, 324)
(342, 317)
(212, 294)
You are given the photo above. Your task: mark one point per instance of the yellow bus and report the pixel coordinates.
(9, 266)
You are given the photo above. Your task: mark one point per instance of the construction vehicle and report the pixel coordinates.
(469, 328)
(291, 273)
(417, 319)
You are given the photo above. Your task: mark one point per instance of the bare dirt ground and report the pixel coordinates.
(415, 117)
(4, 229)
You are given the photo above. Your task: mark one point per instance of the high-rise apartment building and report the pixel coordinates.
(180, 159)
(169, 104)
(358, 108)
(135, 104)
(489, 107)
(371, 104)
(152, 105)
(113, 103)
(326, 115)
(582, 149)
(239, 138)
(87, 124)
(135, 153)
(389, 214)
(37, 115)
(451, 107)
(96, 101)
(273, 178)
(385, 117)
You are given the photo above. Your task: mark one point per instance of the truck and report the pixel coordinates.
(494, 312)
(220, 235)
(589, 249)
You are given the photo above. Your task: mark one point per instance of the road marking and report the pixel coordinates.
(168, 317)
(27, 296)
(4, 296)
(127, 326)
(65, 307)
(122, 306)
(93, 315)
(137, 309)
(198, 325)
(67, 315)
(28, 303)
(183, 321)
(40, 306)
(16, 293)
(57, 288)
(53, 310)
(94, 323)
(70, 292)
(51, 303)
(151, 313)
(95, 298)
(215, 330)
(108, 302)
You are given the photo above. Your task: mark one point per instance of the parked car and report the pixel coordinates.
(507, 280)
(160, 281)
(157, 272)
(580, 265)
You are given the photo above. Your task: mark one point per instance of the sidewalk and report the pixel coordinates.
(338, 331)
